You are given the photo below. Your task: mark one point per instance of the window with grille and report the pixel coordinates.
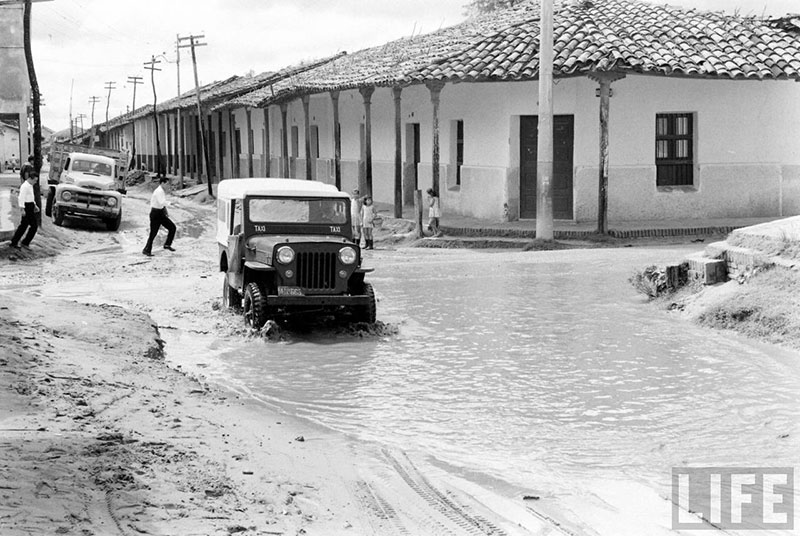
(674, 149)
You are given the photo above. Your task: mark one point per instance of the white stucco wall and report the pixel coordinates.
(747, 153)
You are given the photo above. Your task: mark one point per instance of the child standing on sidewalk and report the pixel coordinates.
(434, 212)
(368, 222)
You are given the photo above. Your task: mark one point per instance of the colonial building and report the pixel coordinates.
(701, 112)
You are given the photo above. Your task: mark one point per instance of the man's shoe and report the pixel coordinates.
(169, 248)
(145, 252)
(26, 246)
(15, 246)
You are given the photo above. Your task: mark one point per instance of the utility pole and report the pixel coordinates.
(93, 100)
(544, 164)
(109, 86)
(71, 87)
(204, 156)
(151, 66)
(179, 145)
(135, 80)
(80, 118)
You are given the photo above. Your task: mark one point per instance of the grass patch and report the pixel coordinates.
(767, 308)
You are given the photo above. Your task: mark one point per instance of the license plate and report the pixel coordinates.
(289, 291)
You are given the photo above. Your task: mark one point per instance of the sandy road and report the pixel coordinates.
(98, 435)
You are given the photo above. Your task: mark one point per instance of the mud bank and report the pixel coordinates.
(99, 436)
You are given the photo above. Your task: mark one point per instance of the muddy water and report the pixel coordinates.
(536, 373)
(544, 371)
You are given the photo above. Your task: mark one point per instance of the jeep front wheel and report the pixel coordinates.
(255, 306)
(368, 312)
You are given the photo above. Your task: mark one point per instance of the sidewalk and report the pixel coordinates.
(454, 225)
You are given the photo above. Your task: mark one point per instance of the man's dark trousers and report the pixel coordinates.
(158, 217)
(29, 222)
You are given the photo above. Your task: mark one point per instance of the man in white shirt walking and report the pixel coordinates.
(27, 203)
(159, 217)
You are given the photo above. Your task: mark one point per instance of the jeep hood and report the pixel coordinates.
(92, 182)
(265, 244)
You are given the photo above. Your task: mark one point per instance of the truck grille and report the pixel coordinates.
(316, 270)
(88, 199)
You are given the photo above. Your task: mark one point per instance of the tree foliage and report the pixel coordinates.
(477, 7)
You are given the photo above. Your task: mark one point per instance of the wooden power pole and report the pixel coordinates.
(93, 100)
(151, 66)
(135, 80)
(204, 153)
(109, 87)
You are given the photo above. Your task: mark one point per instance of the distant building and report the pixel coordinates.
(14, 85)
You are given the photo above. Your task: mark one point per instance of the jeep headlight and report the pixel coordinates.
(66, 195)
(347, 255)
(285, 255)
(111, 201)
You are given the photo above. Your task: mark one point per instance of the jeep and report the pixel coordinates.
(286, 247)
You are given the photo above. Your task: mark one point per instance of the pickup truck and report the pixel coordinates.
(86, 182)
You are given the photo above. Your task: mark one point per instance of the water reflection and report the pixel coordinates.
(531, 367)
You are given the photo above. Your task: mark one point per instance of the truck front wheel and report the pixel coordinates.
(255, 306)
(112, 224)
(48, 206)
(58, 216)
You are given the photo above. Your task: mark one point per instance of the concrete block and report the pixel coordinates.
(708, 271)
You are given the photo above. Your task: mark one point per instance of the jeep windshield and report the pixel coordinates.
(319, 211)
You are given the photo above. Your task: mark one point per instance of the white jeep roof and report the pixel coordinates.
(239, 188)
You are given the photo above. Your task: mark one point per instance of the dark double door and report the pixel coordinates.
(563, 144)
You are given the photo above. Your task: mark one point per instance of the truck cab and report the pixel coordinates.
(286, 247)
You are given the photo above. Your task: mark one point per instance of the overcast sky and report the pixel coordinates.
(82, 44)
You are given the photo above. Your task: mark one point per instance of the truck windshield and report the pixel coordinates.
(94, 168)
(282, 210)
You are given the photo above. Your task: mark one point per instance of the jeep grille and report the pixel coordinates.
(316, 270)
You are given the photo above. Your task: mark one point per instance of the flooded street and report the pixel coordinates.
(527, 374)
(543, 373)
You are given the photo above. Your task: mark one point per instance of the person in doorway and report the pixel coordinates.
(434, 212)
(159, 217)
(355, 214)
(29, 221)
(368, 222)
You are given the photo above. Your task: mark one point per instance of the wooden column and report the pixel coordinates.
(285, 136)
(435, 88)
(307, 136)
(181, 145)
(366, 93)
(267, 151)
(250, 144)
(337, 141)
(605, 80)
(398, 153)
(234, 150)
(220, 153)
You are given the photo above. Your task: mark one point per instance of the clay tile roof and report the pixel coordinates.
(637, 37)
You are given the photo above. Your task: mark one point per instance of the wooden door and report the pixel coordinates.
(563, 146)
